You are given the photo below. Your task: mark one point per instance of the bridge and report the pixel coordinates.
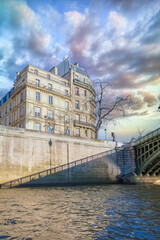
(147, 150)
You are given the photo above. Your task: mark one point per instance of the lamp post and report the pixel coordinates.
(50, 144)
(105, 131)
(45, 118)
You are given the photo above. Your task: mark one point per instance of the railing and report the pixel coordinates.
(147, 137)
(23, 180)
(76, 122)
(46, 88)
(86, 85)
(93, 113)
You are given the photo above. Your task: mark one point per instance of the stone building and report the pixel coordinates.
(60, 101)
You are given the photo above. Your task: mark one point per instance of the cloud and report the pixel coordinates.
(148, 98)
(24, 39)
(74, 17)
(109, 52)
(117, 20)
(5, 83)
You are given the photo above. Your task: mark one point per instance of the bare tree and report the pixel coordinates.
(107, 111)
(141, 132)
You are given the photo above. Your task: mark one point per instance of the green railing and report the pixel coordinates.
(147, 136)
(23, 180)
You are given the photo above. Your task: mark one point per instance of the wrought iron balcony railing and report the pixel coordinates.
(86, 85)
(76, 122)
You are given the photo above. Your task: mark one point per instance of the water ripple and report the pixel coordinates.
(83, 212)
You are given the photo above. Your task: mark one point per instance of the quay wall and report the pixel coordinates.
(24, 152)
(101, 170)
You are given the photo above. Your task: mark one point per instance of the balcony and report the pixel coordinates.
(93, 113)
(51, 118)
(86, 85)
(81, 123)
(56, 91)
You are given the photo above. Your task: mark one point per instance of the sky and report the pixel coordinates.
(117, 41)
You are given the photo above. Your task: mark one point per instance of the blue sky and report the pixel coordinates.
(114, 40)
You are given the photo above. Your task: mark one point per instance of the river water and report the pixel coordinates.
(81, 212)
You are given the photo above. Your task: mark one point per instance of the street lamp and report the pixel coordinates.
(50, 144)
(45, 118)
(105, 131)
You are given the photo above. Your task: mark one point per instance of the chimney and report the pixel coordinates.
(76, 64)
(55, 70)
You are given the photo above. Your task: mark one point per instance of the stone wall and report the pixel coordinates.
(26, 152)
(126, 159)
(102, 169)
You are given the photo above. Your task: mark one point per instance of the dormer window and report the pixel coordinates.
(76, 76)
(36, 72)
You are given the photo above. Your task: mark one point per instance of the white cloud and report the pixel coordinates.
(74, 17)
(5, 83)
(117, 20)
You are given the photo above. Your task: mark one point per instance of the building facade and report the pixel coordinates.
(60, 101)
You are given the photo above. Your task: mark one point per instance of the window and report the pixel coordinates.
(67, 105)
(50, 100)
(48, 77)
(85, 93)
(37, 82)
(77, 117)
(66, 92)
(76, 76)
(50, 115)
(91, 134)
(21, 125)
(77, 132)
(38, 96)
(49, 86)
(6, 110)
(0, 114)
(77, 104)
(86, 133)
(37, 112)
(37, 126)
(77, 91)
(50, 129)
(36, 72)
(9, 120)
(21, 111)
(67, 119)
(67, 132)
(10, 106)
(85, 106)
(21, 97)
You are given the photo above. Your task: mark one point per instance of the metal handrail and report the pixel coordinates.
(148, 136)
(76, 122)
(84, 85)
(18, 181)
